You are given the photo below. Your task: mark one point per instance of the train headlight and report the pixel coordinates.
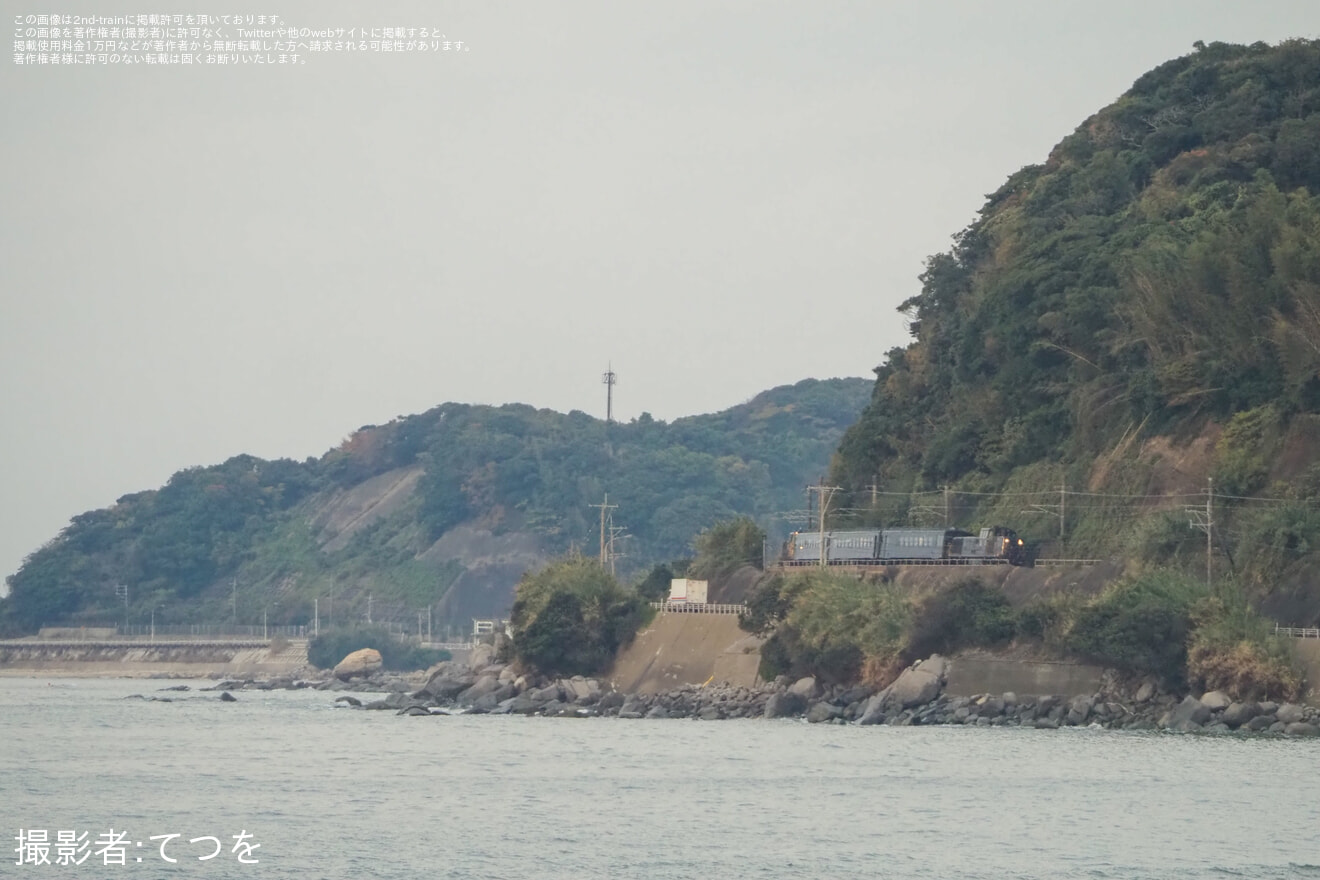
(1019, 542)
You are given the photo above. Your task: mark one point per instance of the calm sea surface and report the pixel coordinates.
(334, 793)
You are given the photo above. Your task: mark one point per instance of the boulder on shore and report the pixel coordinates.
(918, 684)
(785, 704)
(359, 663)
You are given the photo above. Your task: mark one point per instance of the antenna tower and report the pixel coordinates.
(609, 380)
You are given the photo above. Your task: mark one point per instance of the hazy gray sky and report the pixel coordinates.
(716, 197)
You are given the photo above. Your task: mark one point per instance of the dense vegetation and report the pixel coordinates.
(1159, 623)
(572, 616)
(244, 539)
(328, 648)
(1157, 276)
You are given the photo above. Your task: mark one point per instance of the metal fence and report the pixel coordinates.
(1297, 632)
(697, 608)
(214, 630)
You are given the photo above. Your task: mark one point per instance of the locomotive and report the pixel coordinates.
(995, 545)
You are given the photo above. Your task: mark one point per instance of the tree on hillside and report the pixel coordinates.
(726, 546)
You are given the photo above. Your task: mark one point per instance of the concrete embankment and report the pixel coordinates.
(1308, 654)
(152, 659)
(974, 673)
(687, 648)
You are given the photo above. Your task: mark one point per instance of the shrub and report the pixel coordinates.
(1140, 624)
(725, 546)
(571, 617)
(1244, 671)
(969, 614)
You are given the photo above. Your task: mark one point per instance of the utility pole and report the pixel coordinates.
(946, 505)
(368, 608)
(605, 508)
(265, 630)
(1204, 521)
(875, 490)
(428, 623)
(1063, 509)
(121, 592)
(611, 553)
(233, 598)
(825, 493)
(609, 379)
(316, 616)
(1060, 510)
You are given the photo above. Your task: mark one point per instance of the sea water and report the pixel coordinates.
(336, 793)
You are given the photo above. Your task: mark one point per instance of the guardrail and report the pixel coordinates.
(1067, 562)
(697, 608)
(1298, 632)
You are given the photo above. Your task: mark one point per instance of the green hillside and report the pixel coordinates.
(442, 509)
(1132, 318)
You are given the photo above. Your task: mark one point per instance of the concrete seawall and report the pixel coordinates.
(165, 659)
(678, 649)
(970, 675)
(1308, 653)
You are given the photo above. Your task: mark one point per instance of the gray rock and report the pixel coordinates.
(823, 711)
(1145, 692)
(1079, 709)
(992, 707)
(657, 712)
(522, 705)
(784, 705)
(548, 694)
(873, 710)
(857, 694)
(487, 684)
(1045, 724)
(444, 686)
(1290, 713)
(1261, 722)
(415, 710)
(710, 713)
(481, 657)
(1238, 714)
(914, 687)
(487, 702)
(1301, 728)
(352, 701)
(804, 688)
(933, 665)
(1278, 727)
(225, 697)
(1215, 701)
(1268, 708)
(1189, 710)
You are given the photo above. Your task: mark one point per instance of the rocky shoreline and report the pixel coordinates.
(915, 698)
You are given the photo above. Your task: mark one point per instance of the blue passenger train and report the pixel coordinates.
(994, 545)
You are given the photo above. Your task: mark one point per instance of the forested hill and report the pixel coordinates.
(441, 509)
(1154, 284)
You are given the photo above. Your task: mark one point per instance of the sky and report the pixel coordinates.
(712, 198)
